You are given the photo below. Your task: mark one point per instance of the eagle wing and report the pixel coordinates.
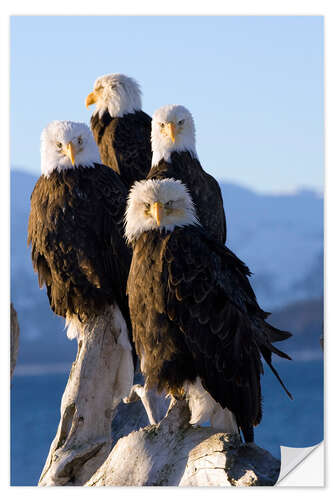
(124, 144)
(217, 216)
(210, 298)
(76, 235)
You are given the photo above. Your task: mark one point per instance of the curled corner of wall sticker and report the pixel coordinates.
(302, 467)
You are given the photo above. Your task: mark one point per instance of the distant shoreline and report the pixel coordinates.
(64, 368)
(35, 369)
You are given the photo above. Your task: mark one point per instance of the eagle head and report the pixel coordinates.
(158, 205)
(172, 130)
(117, 93)
(66, 144)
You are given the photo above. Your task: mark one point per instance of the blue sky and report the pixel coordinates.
(253, 84)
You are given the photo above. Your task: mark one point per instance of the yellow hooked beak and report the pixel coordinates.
(91, 99)
(157, 212)
(171, 131)
(70, 152)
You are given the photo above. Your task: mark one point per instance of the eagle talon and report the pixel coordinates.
(195, 426)
(134, 394)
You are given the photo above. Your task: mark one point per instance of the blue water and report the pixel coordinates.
(35, 412)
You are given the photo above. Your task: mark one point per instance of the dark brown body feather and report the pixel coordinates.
(204, 189)
(124, 144)
(77, 245)
(194, 313)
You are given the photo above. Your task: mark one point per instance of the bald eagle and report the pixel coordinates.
(121, 129)
(76, 234)
(197, 326)
(174, 155)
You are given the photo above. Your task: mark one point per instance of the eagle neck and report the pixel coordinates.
(151, 241)
(167, 155)
(181, 166)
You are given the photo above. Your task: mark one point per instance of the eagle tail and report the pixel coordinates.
(266, 351)
(248, 433)
(276, 335)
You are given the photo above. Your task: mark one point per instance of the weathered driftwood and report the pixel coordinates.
(83, 439)
(173, 453)
(14, 338)
(321, 340)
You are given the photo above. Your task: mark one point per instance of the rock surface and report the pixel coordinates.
(173, 453)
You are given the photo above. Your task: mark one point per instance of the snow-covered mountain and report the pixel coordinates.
(279, 237)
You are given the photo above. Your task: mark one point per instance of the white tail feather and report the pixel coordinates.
(204, 408)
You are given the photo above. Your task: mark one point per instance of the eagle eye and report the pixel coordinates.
(59, 145)
(147, 205)
(181, 122)
(80, 141)
(162, 125)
